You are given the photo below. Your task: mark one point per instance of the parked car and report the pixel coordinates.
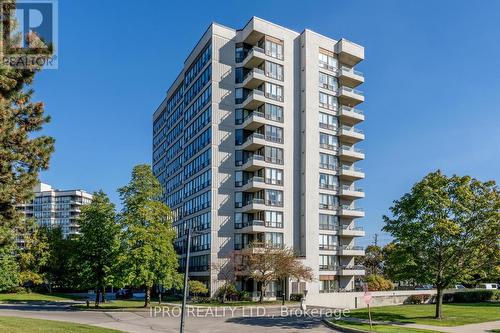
(124, 294)
(458, 286)
(487, 286)
(424, 287)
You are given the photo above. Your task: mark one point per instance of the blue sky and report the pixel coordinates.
(432, 85)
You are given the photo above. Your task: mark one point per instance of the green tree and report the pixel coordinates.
(373, 260)
(197, 287)
(22, 153)
(445, 230)
(35, 254)
(9, 275)
(98, 243)
(147, 256)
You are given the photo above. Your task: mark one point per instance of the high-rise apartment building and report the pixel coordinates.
(56, 208)
(256, 142)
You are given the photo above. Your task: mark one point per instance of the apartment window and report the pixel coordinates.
(239, 74)
(274, 219)
(274, 91)
(328, 81)
(329, 286)
(328, 121)
(327, 161)
(274, 70)
(328, 201)
(274, 197)
(328, 222)
(328, 262)
(328, 141)
(274, 239)
(274, 155)
(274, 49)
(238, 95)
(327, 242)
(274, 133)
(274, 176)
(327, 60)
(273, 112)
(200, 243)
(328, 181)
(328, 101)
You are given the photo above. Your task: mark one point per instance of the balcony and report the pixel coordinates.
(350, 77)
(349, 134)
(330, 268)
(351, 97)
(351, 231)
(351, 212)
(253, 142)
(253, 100)
(351, 154)
(351, 192)
(347, 250)
(253, 121)
(252, 206)
(349, 53)
(253, 78)
(253, 226)
(351, 115)
(351, 173)
(351, 270)
(253, 163)
(328, 247)
(253, 184)
(254, 57)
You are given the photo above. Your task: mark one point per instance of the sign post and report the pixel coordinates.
(367, 299)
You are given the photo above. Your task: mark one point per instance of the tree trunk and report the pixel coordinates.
(97, 291)
(439, 303)
(262, 291)
(224, 293)
(283, 292)
(147, 296)
(103, 296)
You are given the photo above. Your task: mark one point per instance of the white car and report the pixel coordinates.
(488, 286)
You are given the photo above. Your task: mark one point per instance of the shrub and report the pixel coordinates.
(231, 292)
(244, 296)
(197, 287)
(296, 297)
(476, 296)
(378, 283)
(418, 299)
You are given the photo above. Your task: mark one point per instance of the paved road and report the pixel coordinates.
(199, 321)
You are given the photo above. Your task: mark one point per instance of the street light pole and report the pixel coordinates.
(183, 313)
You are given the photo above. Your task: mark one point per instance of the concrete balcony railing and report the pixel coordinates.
(350, 134)
(254, 57)
(351, 250)
(351, 192)
(254, 78)
(350, 77)
(253, 142)
(350, 96)
(351, 212)
(351, 231)
(351, 173)
(351, 115)
(351, 154)
(253, 100)
(253, 163)
(356, 270)
(348, 52)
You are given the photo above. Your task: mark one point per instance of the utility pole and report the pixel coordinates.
(375, 239)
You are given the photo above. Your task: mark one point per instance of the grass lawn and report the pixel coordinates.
(35, 297)
(25, 325)
(380, 328)
(454, 314)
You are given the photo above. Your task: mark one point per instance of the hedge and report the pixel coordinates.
(472, 296)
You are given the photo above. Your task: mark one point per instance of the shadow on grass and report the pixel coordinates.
(390, 317)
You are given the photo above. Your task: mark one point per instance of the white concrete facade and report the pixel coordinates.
(56, 208)
(267, 180)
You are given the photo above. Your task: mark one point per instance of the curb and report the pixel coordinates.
(342, 328)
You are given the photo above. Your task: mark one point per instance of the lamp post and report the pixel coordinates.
(186, 272)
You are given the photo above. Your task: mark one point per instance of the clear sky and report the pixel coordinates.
(432, 86)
